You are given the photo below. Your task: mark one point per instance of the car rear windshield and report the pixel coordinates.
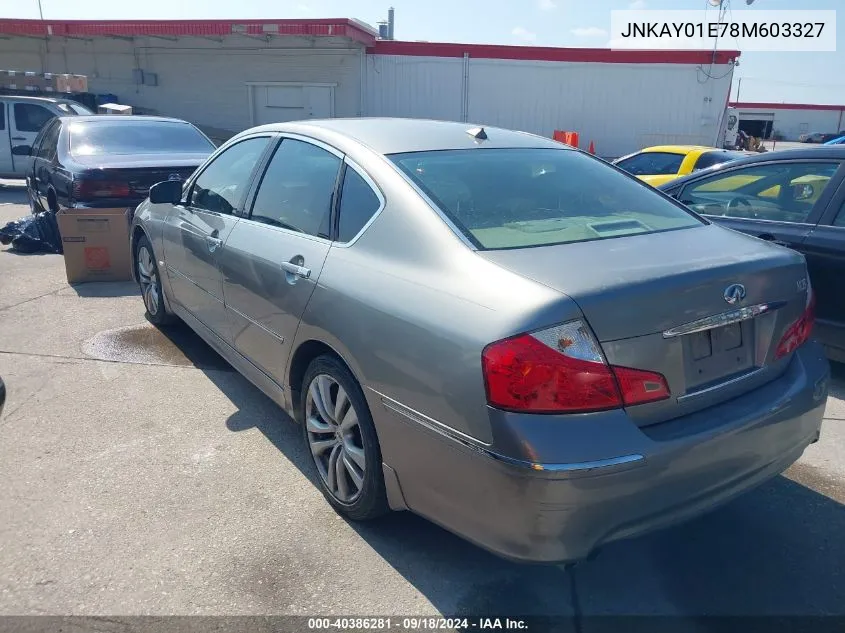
(518, 198)
(652, 163)
(136, 137)
(73, 108)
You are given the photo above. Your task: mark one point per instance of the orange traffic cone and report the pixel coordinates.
(592, 148)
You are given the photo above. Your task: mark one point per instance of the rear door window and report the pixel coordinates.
(297, 189)
(781, 192)
(517, 198)
(652, 164)
(2, 116)
(47, 148)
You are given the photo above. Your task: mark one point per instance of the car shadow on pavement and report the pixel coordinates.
(105, 289)
(777, 550)
(13, 194)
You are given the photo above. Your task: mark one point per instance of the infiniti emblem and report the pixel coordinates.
(174, 177)
(734, 293)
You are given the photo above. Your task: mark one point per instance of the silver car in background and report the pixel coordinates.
(505, 335)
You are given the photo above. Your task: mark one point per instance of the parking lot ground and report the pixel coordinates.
(140, 475)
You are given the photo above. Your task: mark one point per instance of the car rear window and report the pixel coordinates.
(73, 108)
(518, 198)
(136, 137)
(709, 159)
(652, 163)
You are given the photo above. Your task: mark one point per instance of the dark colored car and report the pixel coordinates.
(794, 198)
(109, 161)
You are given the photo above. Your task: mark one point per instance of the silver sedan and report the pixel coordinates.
(505, 335)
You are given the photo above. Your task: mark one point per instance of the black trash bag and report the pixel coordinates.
(33, 234)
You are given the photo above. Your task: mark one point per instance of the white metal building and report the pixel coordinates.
(789, 121)
(227, 75)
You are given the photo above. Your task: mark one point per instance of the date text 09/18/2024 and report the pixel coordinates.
(415, 624)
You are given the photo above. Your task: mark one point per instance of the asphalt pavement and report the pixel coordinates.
(140, 475)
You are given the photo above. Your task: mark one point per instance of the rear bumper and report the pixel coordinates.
(566, 511)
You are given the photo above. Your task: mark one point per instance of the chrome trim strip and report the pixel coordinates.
(170, 269)
(708, 390)
(423, 419)
(481, 447)
(725, 318)
(257, 324)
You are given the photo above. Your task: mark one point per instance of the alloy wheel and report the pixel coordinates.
(334, 436)
(148, 279)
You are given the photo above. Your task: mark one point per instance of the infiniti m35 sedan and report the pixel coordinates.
(496, 331)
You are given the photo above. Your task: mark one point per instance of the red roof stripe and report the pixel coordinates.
(340, 27)
(745, 105)
(539, 53)
(345, 27)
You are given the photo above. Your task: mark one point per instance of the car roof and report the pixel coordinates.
(836, 152)
(680, 149)
(398, 135)
(39, 99)
(130, 118)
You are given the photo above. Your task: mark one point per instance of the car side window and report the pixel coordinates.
(840, 217)
(47, 149)
(30, 117)
(2, 116)
(782, 192)
(223, 183)
(652, 164)
(358, 203)
(297, 189)
(708, 159)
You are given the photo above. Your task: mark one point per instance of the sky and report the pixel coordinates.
(776, 77)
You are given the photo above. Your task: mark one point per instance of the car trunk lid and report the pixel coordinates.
(660, 302)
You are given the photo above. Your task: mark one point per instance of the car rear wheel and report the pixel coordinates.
(342, 439)
(150, 283)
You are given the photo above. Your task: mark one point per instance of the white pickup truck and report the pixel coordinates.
(21, 118)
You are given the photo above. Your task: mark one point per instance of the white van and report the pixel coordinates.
(21, 118)
(731, 127)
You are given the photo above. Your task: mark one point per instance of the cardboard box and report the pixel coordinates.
(71, 83)
(114, 108)
(96, 244)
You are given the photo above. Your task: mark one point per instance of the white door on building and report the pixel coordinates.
(275, 102)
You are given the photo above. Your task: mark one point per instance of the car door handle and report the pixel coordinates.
(18, 138)
(295, 269)
(213, 243)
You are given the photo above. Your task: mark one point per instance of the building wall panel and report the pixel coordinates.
(419, 87)
(620, 107)
(200, 80)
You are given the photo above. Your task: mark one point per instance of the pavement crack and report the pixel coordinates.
(66, 357)
(20, 303)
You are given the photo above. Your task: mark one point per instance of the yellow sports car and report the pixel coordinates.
(662, 163)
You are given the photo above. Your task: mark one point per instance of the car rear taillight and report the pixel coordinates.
(799, 332)
(561, 370)
(95, 189)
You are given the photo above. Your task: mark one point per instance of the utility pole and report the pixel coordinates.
(40, 12)
(738, 88)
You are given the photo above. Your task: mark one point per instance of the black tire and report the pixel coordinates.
(371, 500)
(149, 280)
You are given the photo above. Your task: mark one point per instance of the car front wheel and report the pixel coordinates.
(149, 281)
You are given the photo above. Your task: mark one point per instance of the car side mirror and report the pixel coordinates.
(21, 150)
(167, 192)
(802, 192)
